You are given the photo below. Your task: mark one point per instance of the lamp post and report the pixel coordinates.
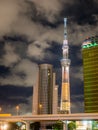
(17, 109)
(0, 109)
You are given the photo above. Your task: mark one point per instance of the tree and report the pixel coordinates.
(58, 125)
(72, 125)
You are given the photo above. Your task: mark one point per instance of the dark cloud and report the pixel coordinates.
(4, 71)
(76, 85)
(31, 32)
(75, 52)
(87, 10)
(19, 42)
(15, 91)
(11, 96)
(81, 11)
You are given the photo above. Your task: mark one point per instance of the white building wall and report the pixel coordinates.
(55, 95)
(35, 97)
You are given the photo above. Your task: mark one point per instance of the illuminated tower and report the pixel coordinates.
(90, 71)
(65, 62)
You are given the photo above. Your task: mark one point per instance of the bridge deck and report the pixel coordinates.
(78, 116)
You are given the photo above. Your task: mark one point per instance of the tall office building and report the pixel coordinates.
(90, 69)
(65, 62)
(45, 96)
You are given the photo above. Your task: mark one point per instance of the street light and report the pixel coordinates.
(17, 109)
(0, 109)
(40, 107)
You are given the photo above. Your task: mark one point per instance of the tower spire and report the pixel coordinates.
(65, 41)
(65, 28)
(65, 62)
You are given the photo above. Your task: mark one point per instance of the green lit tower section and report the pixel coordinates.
(65, 63)
(90, 70)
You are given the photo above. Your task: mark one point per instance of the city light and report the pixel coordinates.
(17, 109)
(3, 126)
(90, 45)
(40, 107)
(0, 109)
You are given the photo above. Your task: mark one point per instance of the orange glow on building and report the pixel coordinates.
(5, 115)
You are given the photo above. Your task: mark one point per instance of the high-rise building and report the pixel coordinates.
(65, 62)
(90, 71)
(45, 96)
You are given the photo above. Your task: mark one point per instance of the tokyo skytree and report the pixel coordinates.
(65, 63)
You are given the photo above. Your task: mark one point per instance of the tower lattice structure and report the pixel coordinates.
(65, 63)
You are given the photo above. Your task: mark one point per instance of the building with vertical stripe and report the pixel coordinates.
(90, 72)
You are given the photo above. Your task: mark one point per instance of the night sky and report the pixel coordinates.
(31, 32)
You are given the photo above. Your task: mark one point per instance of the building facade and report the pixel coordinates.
(46, 92)
(65, 63)
(90, 71)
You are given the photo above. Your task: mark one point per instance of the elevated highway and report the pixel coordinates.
(27, 119)
(53, 117)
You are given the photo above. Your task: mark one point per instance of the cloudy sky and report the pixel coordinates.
(31, 32)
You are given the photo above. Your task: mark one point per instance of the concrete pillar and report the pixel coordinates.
(27, 125)
(65, 126)
(43, 126)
